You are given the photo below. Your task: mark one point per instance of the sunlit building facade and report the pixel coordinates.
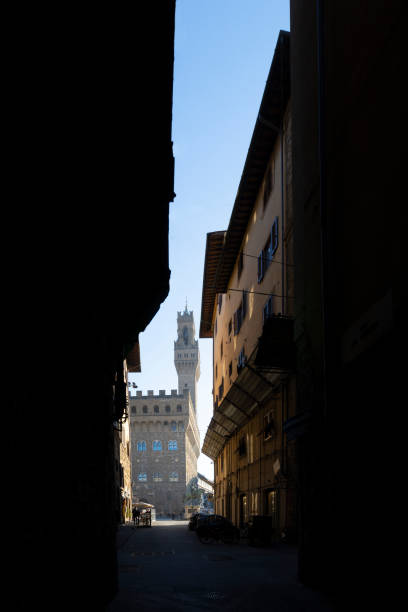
(164, 435)
(247, 310)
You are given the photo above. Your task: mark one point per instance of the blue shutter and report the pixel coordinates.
(274, 235)
(260, 267)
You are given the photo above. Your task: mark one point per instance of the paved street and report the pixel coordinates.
(165, 567)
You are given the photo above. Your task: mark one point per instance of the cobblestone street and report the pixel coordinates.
(167, 568)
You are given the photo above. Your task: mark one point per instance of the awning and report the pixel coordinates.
(133, 358)
(257, 382)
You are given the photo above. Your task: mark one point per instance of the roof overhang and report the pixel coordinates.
(213, 250)
(133, 358)
(258, 382)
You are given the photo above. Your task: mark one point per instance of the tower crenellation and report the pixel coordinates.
(186, 354)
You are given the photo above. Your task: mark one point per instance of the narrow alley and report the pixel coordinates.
(167, 568)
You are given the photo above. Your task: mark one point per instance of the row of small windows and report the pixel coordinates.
(265, 257)
(156, 445)
(158, 477)
(156, 409)
(186, 355)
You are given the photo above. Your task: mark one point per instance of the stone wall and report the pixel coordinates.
(163, 456)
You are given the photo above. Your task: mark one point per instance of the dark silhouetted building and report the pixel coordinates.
(90, 169)
(348, 107)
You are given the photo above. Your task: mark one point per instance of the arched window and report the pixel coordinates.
(172, 444)
(157, 445)
(156, 409)
(173, 476)
(144, 409)
(157, 477)
(142, 477)
(168, 408)
(179, 408)
(181, 426)
(141, 445)
(173, 426)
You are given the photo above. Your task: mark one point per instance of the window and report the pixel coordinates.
(219, 302)
(269, 426)
(241, 360)
(240, 263)
(157, 445)
(142, 477)
(168, 408)
(230, 369)
(221, 389)
(274, 236)
(181, 426)
(230, 327)
(237, 321)
(266, 255)
(173, 476)
(133, 409)
(240, 313)
(271, 506)
(179, 408)
(244, 304)
(172, 445)
(242, 446)
(173, 426)
(157, 477)
(260, 266)
(221, 349)
(156, 409)
(268, 309)
(141, 445)
(144, 409)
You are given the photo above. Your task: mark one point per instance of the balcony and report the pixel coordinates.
(276, 347)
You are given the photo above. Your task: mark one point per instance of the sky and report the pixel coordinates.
(222, 55)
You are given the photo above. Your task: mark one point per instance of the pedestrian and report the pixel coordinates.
(136, 515)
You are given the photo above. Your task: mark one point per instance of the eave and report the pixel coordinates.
(266, 131)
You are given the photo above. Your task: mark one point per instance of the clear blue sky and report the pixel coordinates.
(223, 52)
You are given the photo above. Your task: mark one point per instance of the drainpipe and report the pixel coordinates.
(282, 178)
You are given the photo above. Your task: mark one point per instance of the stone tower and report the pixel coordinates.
(186, 355)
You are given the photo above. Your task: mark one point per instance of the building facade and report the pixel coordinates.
(164, 436)
(247, 309)
(347, 59)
